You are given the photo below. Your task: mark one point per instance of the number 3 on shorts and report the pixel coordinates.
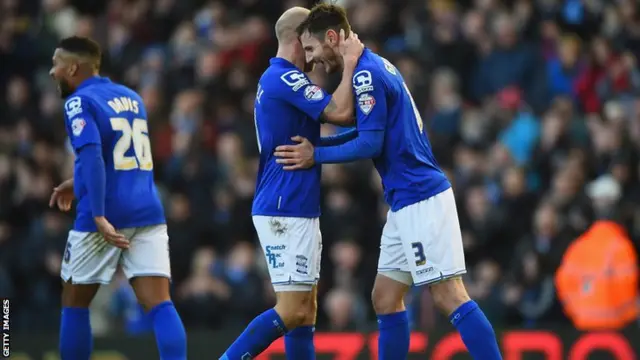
(418, 249)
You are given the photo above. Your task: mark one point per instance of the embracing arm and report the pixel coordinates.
(336, 109)
(339, 111)
(339, 139)
(366, 145)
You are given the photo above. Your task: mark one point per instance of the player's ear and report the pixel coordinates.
(332, 37)
(73, 69)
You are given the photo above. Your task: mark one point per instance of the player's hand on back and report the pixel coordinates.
(110, 234)
(62, 196)
(350, 48)
(296, 157)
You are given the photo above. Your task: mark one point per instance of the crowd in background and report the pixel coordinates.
(532, 108)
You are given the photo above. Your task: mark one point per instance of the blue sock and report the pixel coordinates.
(76, 340)
(476, 331)
(298, 343)
(257, 337)
(393, 341)
(171, 337)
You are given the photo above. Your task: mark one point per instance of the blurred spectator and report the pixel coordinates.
(247, 298)
(203, 298)
(519, 128)
(547, 240)
(447, 109)
(563, 71)
(509, 63)
(598, 279)
(484, 286)
(343, 311)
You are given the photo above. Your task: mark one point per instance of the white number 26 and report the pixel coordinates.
(136, 134)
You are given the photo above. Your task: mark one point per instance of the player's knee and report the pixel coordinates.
(387, 296)
(295, 308)
(449, 294)
(293, 318)
(151, 290)
(386, 303)
(78, 295)
(311, 312)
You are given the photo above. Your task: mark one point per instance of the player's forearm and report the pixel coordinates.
(339, 139)
(93, 171)
(367, 145)
(340, 109)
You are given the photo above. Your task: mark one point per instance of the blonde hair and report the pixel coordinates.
(571, 40)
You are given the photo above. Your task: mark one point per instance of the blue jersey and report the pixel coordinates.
(287, 104)
(113, 117)
(408, 169)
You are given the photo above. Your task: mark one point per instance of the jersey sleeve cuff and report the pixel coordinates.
(323, 105)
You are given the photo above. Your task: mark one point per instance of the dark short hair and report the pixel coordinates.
(323, 17)
(82, 46)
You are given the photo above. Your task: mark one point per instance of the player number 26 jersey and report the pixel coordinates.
(113, 116)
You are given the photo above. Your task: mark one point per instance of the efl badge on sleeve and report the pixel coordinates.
(77, 125)
(313, 93)
(366, 102)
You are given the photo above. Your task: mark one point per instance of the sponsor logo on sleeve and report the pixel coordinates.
(294, 79)
(73, 106)
(362, 82)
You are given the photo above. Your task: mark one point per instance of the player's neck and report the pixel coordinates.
(86, 77)
(288, 54)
